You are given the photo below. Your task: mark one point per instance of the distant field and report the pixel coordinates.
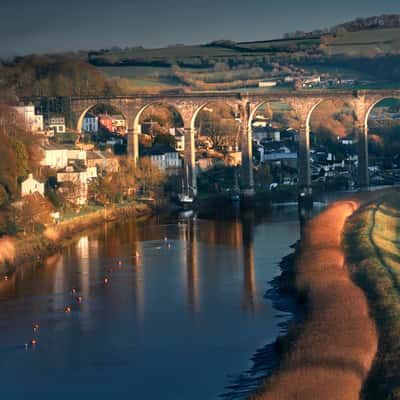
(229, 65)
(134, 71)
(364, 41)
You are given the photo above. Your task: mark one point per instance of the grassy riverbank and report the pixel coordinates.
(329, 355)
(26, 248)
(373, 248)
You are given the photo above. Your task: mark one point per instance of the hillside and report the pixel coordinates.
(363, 49)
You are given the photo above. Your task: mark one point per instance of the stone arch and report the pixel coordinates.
(166, 104)
(374, 103)
(321, 101)
(199, 108)
(190, 132)
(365, 150)
(350, 131)
(264, 102)
(93, 105)
(303, 109)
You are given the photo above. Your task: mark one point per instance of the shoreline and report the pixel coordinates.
(35, 247)
(373, 254)
(294, 366)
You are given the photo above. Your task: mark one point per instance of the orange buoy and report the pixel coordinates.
(35, 327)
(68, 309)
(79, 299)
(33, 342)
(106, 280)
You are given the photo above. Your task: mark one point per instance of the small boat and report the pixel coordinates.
(186, 197)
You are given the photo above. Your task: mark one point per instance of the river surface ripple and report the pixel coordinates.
(181, 315)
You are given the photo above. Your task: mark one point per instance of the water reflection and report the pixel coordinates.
(188, 235)
(180, 295)
(249, 281)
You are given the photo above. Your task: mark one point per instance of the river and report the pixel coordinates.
(181, 315)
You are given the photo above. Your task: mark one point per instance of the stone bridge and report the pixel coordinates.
(188, 105)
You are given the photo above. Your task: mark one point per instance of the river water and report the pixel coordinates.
(182, 313)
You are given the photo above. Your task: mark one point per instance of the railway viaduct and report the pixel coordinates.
(188, 105)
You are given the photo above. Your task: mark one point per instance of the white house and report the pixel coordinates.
(90, 124)
(56, 124)
(33, 122)
(179, 135)
(58, 157)
(165, 158)
(30, 186)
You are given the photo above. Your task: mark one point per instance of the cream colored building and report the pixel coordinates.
(30, 186)
(59, 157)
(33, 122)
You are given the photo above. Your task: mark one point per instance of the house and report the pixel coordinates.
(106, 122)
(58, 157)
(74, 182)
(31, 185)
(56, 124)
(179, 135)
(90, 124)
(104, 161)
(119, 124)
(166, 158)
(33, 122)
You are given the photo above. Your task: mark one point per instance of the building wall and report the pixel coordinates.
(31, 185)
(90, 125)
(58, 158)
(33, 122)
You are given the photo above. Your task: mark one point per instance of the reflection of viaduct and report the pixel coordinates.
(246, 106)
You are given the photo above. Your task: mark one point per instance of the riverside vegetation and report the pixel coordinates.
(330, 354)
(372, 244)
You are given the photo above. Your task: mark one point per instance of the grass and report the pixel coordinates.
(372, 241)
(368, 40)
(331, 353)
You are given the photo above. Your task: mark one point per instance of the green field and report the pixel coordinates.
(373, 249)
(227, 65)
(361, 42)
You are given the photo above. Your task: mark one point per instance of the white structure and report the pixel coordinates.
(179, 135)
(56, 124)
(165, 158)
(59, 157)
(90, 124)
(119, 124)
(267, 84)
(32, 121)
(30, 186)
(259, 124)
(78, 178)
